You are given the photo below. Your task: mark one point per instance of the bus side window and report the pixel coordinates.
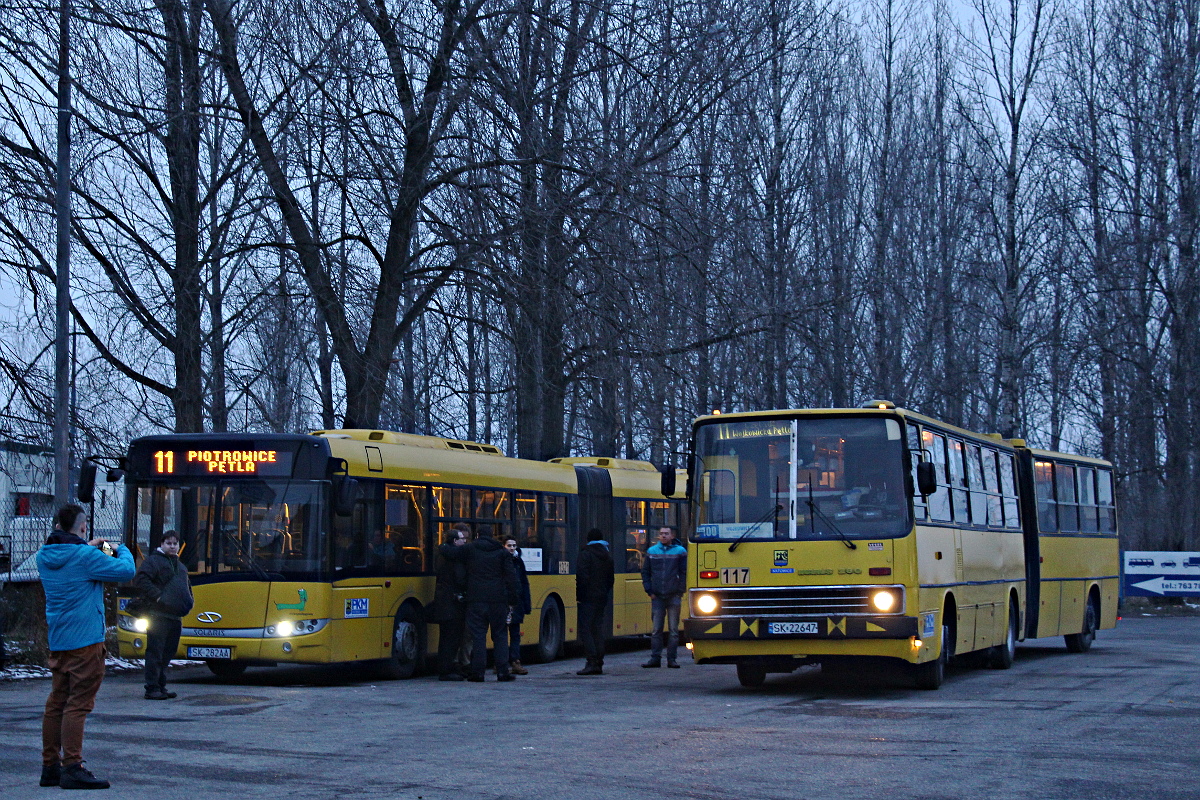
(349, 538)
(1064, 492)
(956, 450)
(1104, 498)
(525, 519)
(1089, 514)
(406, 548)
(556, 560)
(991, 482)
(939, 501)
(1043, 483)
(975, 480)
(1008, 489)
(920, 506)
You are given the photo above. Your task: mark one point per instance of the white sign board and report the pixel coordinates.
(1161, 573)
(532, 556)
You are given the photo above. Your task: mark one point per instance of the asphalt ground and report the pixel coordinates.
(1117, 722)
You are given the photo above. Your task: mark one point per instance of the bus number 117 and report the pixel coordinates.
(735, 575)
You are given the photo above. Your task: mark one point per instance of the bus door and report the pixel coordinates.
(596, 511)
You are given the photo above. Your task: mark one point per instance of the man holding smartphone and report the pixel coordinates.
(73, 573)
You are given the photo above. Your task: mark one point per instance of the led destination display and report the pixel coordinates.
(247, 462)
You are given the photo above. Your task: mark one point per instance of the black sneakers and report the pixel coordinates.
(506, 677)
(653, 663)
(592, 668)
(159, 694)
(76, 776)
(673, 664)
(50, 775)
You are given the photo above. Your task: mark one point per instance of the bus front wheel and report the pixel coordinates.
(751, 675)
(408, 645)
(931, 674)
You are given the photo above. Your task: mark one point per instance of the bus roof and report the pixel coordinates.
(992, 438)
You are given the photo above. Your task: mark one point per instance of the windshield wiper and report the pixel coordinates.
(817, 512)
(259, 571)
(771, 512)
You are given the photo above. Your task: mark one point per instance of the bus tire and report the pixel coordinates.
(408, 645)
(931, 674)
(1001, 656)
(1082, 642)
(751, 675)
(226, 670)
(550, 631)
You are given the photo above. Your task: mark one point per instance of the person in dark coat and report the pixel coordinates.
(593, 586)
(162, 580)
(450, 603)
(524, 606)
(491, 592)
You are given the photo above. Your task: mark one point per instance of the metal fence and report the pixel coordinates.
(20, 537)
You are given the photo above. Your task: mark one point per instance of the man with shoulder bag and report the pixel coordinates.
(166, 593)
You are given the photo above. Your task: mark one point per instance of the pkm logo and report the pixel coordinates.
(781, 558)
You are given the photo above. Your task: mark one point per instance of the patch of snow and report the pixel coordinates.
(18, 672)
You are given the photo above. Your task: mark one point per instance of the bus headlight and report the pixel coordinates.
(883, 601)
(141, 624)
(285, 628)
(706, 604)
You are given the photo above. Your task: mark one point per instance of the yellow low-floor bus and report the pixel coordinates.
(828, 534)
(320, 548)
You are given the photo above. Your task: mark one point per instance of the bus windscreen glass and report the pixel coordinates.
(255, 527)
(808, 478)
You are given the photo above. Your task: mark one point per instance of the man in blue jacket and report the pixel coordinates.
(664, 578)
(73, 573)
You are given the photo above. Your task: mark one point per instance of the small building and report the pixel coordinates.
(26, 506)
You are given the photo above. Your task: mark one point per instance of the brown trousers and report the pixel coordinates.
(76, 679)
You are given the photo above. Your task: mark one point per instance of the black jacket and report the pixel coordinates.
(593, 574)
(524, 604)
(491, 575)
(163, 581)
(450, 587)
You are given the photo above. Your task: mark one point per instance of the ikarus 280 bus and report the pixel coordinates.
(826, 534)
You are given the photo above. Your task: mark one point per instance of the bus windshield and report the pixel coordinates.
(807, 478)
(271, 530)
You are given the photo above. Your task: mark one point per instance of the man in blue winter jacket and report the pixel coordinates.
(73, 573)
(664, 578)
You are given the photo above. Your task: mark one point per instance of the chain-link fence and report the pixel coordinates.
(21, 536)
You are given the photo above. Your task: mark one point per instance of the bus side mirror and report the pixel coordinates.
(87, 482)
(667, 474)
(345, 488)
(115, 474)
(926, 478)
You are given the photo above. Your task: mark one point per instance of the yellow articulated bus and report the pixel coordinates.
(314, 549)
(827, 534)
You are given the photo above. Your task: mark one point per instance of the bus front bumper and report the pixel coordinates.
(810, 627)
